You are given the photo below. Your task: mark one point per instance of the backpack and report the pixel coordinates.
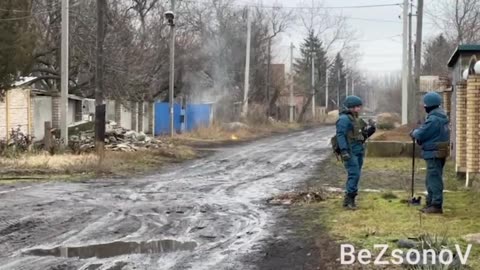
(335, 147)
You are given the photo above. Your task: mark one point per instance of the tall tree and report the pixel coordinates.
(436, 55)
(17, 40)
(312, 46)
(336, 82)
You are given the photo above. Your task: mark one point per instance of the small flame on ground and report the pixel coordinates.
(234, 137)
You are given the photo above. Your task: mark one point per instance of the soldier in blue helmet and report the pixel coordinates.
(434, 137)
(351, 135)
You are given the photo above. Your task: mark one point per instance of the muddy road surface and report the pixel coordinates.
(204, 214)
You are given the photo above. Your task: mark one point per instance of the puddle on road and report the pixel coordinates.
(115, 249)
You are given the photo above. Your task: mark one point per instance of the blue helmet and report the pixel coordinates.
(352, 101)
(432, 99)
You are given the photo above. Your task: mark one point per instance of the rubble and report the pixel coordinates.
(117, 139)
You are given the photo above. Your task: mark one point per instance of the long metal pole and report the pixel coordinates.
(405, 64)
(172, 71)
(291, 82)
(411, 91)
(247, 66)
(64, 74)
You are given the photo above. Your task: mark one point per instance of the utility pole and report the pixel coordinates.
(353, 85)
(346, 84)
(338, 90)
(313, 85)
(291, 82)
(172, 68)
(64, 74)
(326, 89)
(411, 92)
(99, 106)
(247, 65)
(269, 62)
(405, 64)
(418, 57)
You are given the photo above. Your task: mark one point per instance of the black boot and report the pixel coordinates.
(346, 200)
(433, 209)
(349, 201)
(354, 205)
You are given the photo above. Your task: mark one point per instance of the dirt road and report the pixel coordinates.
(205, 214)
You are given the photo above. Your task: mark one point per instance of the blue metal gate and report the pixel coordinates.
(197, 115)
(162, 118)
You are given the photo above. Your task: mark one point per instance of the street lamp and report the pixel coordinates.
(170, 16)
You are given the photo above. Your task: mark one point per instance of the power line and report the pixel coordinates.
(246, 4)
(320, 7)
(16, 18)
(377, 39)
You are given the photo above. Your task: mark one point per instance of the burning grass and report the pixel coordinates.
(219, 133)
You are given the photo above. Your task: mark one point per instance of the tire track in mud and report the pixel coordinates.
(217, 202)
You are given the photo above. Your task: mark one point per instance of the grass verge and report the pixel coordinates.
(384, 217)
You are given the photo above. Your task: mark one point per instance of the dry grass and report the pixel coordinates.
(115, 163)
(216, 133)
(48, 162)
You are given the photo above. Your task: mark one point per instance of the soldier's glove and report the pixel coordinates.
(372, 123)
(411, 134)
(345, 156)
(370, 131)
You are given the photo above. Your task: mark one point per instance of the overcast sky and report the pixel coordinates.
(380, 43)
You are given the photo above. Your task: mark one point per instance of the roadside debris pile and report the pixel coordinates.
(398, 134)
(117, 139)
(388, 120)
(298, 198)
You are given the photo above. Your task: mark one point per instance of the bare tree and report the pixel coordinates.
(460, 17)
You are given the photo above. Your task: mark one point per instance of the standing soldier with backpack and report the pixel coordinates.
(352, 132)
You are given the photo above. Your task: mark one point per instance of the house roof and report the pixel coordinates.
(462, 49)
(23, 81)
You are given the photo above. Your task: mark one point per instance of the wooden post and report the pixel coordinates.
(7, 115)
(47, 137)
(100, 130)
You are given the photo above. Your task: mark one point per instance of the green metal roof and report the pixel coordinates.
(462, 48)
